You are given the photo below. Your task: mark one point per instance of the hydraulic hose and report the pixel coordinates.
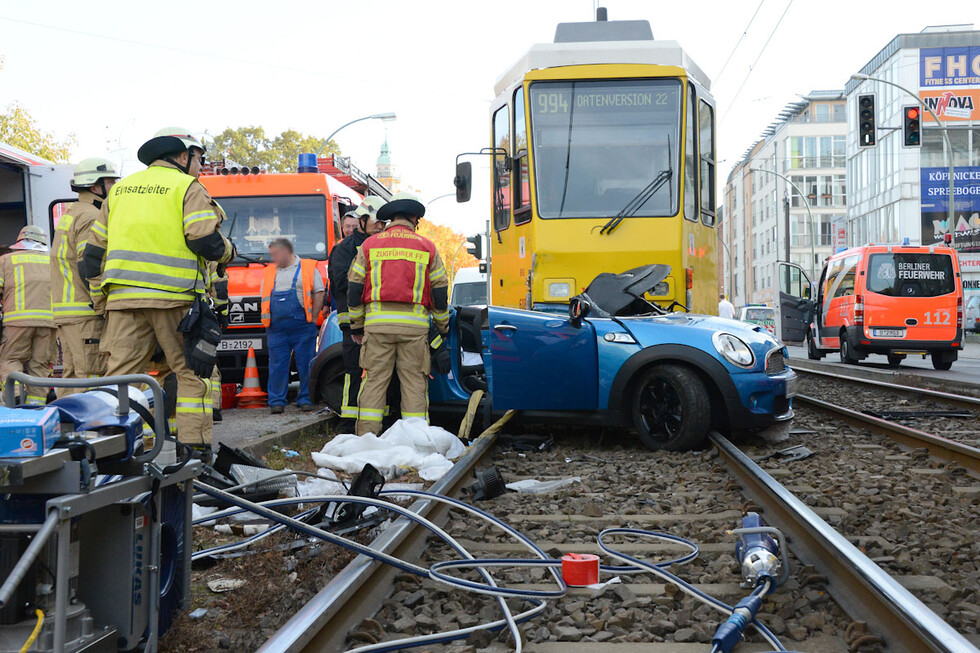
(489, 587)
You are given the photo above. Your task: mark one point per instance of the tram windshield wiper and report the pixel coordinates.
(641, 198)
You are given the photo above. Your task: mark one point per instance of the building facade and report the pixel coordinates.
(386, 172)
(897, 193)
(767, 217)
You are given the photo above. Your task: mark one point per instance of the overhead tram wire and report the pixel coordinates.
(224, 57)
(740, 39)
(752, 67)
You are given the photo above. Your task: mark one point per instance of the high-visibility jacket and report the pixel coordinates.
(397, 272)
(25, 275)
(307, 269)
(70, 296)
(147, 255)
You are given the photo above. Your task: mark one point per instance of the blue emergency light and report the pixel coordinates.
(307, 163)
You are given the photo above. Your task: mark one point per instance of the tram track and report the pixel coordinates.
(697, 499)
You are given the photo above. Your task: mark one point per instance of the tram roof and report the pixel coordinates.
(554, 55)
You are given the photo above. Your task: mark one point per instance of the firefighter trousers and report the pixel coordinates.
(81, 355)
(28, 349)
(380, 353)
(130, 338)
(352, 378)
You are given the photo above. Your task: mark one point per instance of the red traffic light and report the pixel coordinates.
(912, 113)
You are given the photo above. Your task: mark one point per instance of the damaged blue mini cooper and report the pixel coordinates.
(616, 359)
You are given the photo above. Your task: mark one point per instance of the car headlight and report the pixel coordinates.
(733, 349)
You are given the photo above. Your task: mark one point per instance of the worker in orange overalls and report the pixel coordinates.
(79, 315)
(28, 324)
(395, 283)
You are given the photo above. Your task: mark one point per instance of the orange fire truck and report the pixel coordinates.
(305, 206)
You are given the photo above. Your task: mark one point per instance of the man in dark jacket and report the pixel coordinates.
(341, 257)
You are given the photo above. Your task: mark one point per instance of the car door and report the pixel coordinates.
(539, 361)
(794, 302)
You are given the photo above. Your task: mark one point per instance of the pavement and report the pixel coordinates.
(965, 370)
(250, 428)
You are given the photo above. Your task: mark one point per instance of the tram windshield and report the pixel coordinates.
(598, 146)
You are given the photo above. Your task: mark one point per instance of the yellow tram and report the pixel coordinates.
(603, 160)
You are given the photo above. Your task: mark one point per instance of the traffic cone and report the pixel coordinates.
(251, 395)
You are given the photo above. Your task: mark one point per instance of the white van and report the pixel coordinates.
(469, 288)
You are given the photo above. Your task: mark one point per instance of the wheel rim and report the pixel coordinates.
(660, 410)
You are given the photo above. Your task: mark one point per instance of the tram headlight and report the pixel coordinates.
(733, 349)
(560, 289)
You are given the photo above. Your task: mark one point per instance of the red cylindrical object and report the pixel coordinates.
(579, 569)
(228, 398)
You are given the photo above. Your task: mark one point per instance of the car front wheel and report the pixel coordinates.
(671, 410)
(330, 385)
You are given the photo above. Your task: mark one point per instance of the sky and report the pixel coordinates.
(114, 72)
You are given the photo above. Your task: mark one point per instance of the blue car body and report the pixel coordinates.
(545, 365)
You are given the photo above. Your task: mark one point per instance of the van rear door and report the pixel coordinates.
(911, 296)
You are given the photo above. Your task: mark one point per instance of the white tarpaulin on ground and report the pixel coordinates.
(407, 444)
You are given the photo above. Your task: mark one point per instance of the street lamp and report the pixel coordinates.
(731, 267)
(387, 117)
(809, 215)
(950, 211)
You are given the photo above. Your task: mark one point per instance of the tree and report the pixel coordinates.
(18, 128)
(448, 242)
(251, 146)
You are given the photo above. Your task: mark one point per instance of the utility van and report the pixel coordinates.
(890, 300)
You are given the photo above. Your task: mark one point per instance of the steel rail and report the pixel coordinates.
(938, 446)
(862, 588)
(323, 623)
(961, 400)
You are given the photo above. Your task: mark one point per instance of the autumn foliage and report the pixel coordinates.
(448, 242)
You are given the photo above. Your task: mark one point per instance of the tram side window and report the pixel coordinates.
(706, 139)
(501, 169)
(522, 182)
(690, 160)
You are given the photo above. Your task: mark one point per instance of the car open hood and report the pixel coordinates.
(613, 294)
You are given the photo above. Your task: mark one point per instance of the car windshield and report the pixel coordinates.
(911, 275)
(470, 293)
(599, 144)
(255, 221)
(758, 314)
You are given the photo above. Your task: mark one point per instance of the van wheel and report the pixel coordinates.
(811, 348)
(846, 355)
(894, 360)
(941, 362)
(671, 409)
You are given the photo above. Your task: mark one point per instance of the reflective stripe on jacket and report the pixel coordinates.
(147, 254)
(25, 276)
(307, 270)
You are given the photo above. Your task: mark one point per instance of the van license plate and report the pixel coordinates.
(239, 344)
(888, 333)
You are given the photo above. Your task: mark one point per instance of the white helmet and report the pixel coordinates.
(169, 140)
(369, 206)
(33, 232)
(88, 172)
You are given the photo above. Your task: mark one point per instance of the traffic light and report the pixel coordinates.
(912, 125)
(867, 135)
(477, 246)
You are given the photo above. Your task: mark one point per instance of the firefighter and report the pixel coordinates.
(149, 244)
(292, 297)
(396, 282)
(338, 267)
(28, 342)
(79, 316)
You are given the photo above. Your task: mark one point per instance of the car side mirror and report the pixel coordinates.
(463, 181)
(578, 309)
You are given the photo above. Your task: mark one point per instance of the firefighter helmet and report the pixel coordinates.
(88, 172)
(169, 140)
(403, 203)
